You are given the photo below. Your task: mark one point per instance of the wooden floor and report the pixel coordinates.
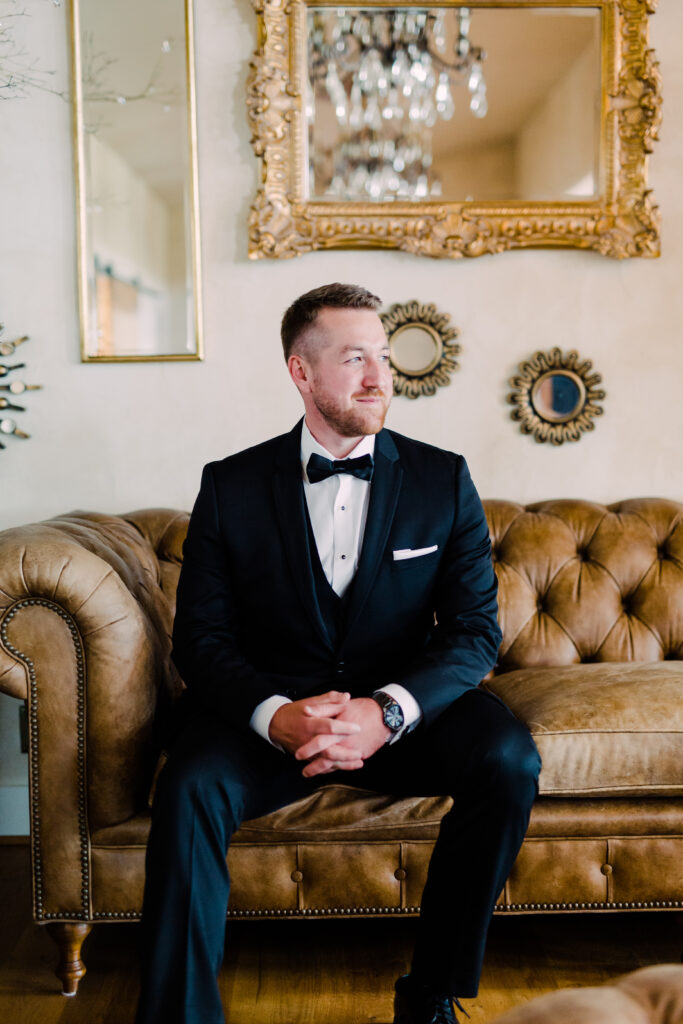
(317, 972)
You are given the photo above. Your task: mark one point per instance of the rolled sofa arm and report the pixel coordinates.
(84, 637)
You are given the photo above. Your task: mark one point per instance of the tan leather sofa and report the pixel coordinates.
(591, 607)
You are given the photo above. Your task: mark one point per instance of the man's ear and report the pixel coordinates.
(300, 372)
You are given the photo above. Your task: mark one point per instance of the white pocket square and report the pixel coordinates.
(403, 553)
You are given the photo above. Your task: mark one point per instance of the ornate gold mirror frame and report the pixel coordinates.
(556, 396)
(422, 348)
(622, 222)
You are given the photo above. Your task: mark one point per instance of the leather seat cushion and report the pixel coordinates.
(602, 729)
(338, 813)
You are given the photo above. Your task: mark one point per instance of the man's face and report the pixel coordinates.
(350, 381)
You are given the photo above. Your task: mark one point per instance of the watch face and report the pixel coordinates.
(393, 717)
(391, 711)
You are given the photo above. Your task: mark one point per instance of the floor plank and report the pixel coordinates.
(310, 972)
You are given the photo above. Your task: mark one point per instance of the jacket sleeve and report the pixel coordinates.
(206, 651)
(464, 642)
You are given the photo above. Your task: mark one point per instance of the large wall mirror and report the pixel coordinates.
(454, 130)
(136, 174)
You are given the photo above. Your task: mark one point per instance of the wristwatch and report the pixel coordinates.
(391, 711)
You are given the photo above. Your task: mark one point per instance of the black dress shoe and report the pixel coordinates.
(415, 1003)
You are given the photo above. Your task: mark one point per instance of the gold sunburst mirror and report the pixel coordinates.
(556, 396)
(422, 347)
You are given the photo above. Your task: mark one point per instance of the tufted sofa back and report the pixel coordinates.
(164, 530)
(581, 582)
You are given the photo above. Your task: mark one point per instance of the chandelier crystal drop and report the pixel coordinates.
(388, 76)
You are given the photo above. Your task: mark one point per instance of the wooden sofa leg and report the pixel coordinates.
(69, 939)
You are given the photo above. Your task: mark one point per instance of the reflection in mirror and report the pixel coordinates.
(556, 396)
(415, 349)
(136, 169)
(456, 102)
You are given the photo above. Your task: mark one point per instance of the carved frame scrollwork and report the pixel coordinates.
(571, 426)
(625, 222)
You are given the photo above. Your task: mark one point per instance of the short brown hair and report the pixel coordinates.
(304, 310)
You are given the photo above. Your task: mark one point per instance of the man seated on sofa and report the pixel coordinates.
(336, 612)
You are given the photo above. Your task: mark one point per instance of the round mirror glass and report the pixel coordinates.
(558, 396)
(415, 349)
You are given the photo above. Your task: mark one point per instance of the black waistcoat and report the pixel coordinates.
(333, 608)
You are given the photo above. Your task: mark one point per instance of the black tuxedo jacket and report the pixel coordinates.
(248, 624)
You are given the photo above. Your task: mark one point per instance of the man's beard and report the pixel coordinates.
(356, 421)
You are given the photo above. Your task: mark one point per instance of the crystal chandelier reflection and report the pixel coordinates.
(388, 76)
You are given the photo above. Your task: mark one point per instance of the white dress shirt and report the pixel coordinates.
(338, 509)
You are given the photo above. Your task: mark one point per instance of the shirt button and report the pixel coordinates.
(343, 508)
(342, 557)
(340, 668)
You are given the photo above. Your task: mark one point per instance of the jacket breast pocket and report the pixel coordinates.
(427, 561)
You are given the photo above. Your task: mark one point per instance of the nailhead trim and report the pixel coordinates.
(644, 905)
(324, 912)
(503, 908)
(127, 915)
(38, 911)
(134, 915)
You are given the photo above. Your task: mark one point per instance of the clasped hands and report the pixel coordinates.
(330, 732)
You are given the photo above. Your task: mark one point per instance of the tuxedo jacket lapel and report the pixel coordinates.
(384, 492)
(290, 512)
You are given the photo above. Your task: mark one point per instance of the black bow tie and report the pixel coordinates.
(319, 468)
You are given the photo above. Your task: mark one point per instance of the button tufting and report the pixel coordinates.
(606, 869)
(400, 874)
(297, 876)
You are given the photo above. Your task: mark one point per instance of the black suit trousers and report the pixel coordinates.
(476, 751)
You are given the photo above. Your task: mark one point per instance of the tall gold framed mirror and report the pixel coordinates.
(135, 145)
(454, 130)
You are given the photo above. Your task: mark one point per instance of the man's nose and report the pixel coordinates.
(373, 376)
